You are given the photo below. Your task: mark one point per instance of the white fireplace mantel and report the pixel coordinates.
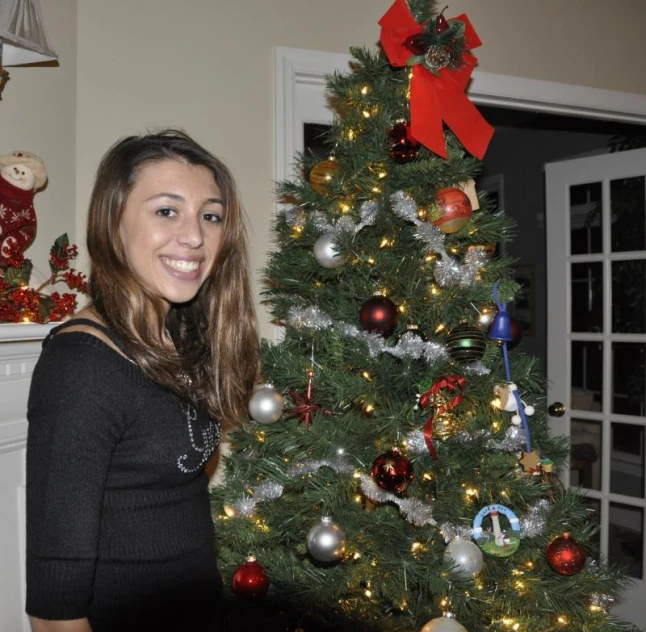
(20, 346)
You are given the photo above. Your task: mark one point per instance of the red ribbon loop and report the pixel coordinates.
(453, 384)
(437, 99)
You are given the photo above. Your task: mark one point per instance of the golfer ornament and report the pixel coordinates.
(266, 405)
(508, 402)
(326, 541)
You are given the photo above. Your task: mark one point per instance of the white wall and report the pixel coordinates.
(38, 114)
(206, 65)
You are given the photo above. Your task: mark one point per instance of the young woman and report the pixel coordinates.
(127, 399)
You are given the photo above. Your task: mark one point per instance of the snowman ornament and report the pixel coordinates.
(508, 402)
(21, 175)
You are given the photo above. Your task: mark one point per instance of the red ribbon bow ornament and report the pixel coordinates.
(437, 97)
(438, 395)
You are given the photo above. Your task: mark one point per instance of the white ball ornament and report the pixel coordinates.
(443, 624)
(326, 541)
(326, 253)
(465, 557)
(266, 405)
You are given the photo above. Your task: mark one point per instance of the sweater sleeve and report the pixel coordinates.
(74, 425)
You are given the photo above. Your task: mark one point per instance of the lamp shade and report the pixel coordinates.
(22, 34)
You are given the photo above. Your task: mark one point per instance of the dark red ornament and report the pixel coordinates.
(250, 580)
(392, 471)
(452, 209)
(379, 315)
(415, 44)
(440, 21)
(565, 555)
(402, 147)
(516, 332)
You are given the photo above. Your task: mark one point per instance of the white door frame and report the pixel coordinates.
(297, 69)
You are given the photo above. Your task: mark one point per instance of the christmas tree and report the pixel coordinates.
(397, 472)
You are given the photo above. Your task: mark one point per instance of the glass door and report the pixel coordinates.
(596, 252)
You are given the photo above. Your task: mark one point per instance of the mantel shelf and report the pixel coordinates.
(24, 332)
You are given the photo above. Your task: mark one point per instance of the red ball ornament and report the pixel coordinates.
(565, 555)
(392, 471)
(250, 580)
(402, 147)
(452, 209)
(379, 315)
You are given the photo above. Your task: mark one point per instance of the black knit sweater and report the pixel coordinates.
(118, 522)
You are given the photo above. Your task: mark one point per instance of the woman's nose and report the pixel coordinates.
(190, 232)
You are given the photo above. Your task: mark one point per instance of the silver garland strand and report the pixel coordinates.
(532, 523)
(476, 368)
(414, 510)
(408, 346)
(344, 224)
(448, 272)
(450, 532)
(513, 441)
(294, 215)
(271, 490)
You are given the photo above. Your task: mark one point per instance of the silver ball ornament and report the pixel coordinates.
(465, 557)
(326, 541)
(266, 405)
(326, 253)
(443, 624)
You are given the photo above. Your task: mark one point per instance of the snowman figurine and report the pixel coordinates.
(21, 175)
(508, 402)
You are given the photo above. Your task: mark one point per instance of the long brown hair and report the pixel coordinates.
(215, 335)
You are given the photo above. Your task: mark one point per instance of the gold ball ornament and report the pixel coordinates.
(322, 175)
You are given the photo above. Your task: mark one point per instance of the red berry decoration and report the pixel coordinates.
(440, 22)
(379, 315)
(452, 209)
(402, 147)
(415, 44)
(392, 471)
(565, 555)
(250, 580)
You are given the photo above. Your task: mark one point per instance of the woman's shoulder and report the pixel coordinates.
(85, 345)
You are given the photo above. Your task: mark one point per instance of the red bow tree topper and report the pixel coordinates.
(440, 97)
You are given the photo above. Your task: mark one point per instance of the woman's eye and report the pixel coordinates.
(212, 217)
(166, 212)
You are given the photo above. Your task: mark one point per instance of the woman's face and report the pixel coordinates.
(171, 228)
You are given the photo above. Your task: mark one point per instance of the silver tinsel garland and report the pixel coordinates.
(448, 272)
(513, 440)
(344, 224)
(271, 490)
(408, 346)
(295, 217)
(414, 510)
